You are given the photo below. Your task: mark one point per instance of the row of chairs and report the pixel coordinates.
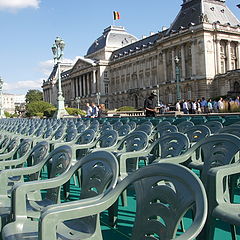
(147, 154)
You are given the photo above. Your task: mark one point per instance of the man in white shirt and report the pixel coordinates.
(185, 107)
(220, 104)
(89, 110)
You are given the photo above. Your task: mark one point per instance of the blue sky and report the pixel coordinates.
(29, 28)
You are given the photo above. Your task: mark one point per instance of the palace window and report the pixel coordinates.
(106, 88)
(105, 74)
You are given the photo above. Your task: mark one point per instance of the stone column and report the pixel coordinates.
(164, 66)
(183, 65)
(173, 65)
(218, 56)
(229, 65)
(238, 55)
(193, 59)
(84, 86)
(94, 81)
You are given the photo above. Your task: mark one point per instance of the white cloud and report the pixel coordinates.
(18, 4)
(46, 67)
(22, 86)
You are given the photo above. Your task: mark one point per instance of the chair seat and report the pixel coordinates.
(196, 165)
(75, 229)
(24, 231)
(228, 213)
(34, 207)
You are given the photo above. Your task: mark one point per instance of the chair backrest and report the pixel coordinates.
(4, 142)
(197, 133)
(232, 129)
(99, 171)
(81, 128)
(61, 159)
(164, 193)
(86, 137)
(12, 145)
(124, 130)
(48, 133)
(23, 148)
(173, 144)
(214, 126)
(132, 125)
(70, 135)
(145, 127)
(184, 126)
(58, 134)
(166, 129)
(117, 125)
(108, 138)
(218, 150)
(135, 141)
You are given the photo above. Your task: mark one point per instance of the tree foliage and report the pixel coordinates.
(34, 96)
(37, 108)
(75, 111)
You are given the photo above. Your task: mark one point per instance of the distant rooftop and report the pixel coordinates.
(112, 37)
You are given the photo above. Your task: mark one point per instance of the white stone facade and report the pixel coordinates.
(205, 36)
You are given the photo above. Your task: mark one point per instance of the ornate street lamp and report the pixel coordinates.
(57, 50)
(158, 98)
(78, 99)
(177, 70)
(2, 115)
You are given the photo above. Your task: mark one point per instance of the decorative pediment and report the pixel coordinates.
(83, 63)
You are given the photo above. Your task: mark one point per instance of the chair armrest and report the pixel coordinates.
(4, 156)
(20, 190)
(14, 162)
(216, 176)
(72, 210)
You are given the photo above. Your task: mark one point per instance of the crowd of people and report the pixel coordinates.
(207, 106)
(199, 106)
(94, 111)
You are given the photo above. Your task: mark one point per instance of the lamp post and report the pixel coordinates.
(78, 99)
(177, 70)
(2, 115)
(57, 50)
(158, 99)
(98, 94)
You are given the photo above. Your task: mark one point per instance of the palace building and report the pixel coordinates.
(122, 70)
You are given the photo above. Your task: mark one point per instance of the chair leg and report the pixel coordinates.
(113, 214)
(233, 232)
(182, 226)
(124, 198)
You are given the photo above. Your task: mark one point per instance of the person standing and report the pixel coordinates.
(150, 104)
(102, 111)
(89, 110)
(185, 107)
(220, 104)
(178, 107)
(94, 110)
(210, 106)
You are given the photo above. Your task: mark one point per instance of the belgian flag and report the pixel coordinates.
(116, 15)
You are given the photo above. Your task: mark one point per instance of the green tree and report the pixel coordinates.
(37, 108)
(34, 96)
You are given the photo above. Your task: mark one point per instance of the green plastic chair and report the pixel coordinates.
(16, 157)
(220, 204)
(215, 150)
(197, 133)
(169, 145)
(232, 129)
(184, 126)
(214, 126)
(164, 192)
(99, 177)
(10, 177)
